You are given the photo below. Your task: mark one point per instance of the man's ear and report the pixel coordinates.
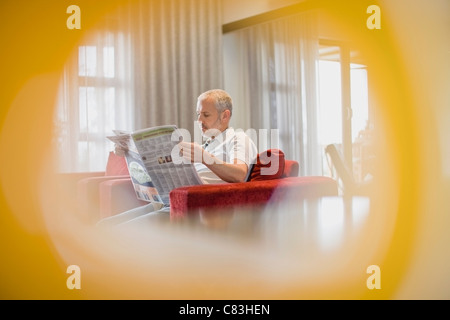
(226, 115)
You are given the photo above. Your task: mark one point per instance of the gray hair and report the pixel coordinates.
(222, 99)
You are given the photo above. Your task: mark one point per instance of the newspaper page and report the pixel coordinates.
(154, 165)
(142, 183)
(162, 161)
(123, 139)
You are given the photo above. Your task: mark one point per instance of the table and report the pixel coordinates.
(294, 249)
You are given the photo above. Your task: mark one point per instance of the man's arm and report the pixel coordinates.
(120, 151)
(229, 172)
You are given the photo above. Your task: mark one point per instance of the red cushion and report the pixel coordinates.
(291, 168)
(269, 165)
(116, 165)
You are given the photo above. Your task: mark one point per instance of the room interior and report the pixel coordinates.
(348, 112)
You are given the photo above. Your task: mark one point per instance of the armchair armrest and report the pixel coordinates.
(68, 180)
(116, 196)
(88, 196)
(187, 199)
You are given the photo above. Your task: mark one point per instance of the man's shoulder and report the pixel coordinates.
(236, 132)
(237, 135)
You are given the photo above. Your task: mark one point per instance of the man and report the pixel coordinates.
(226, 154)
(224, 157)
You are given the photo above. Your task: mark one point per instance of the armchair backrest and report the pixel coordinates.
(116, 165)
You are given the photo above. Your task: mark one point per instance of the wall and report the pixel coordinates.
(234, 10)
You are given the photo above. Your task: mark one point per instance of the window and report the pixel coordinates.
(94, 100)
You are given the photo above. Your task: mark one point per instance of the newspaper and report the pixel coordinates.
(154, 163)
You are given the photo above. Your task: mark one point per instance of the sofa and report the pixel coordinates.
(111, 192)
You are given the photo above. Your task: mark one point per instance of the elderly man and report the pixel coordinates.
(226, 154)
(224, 157)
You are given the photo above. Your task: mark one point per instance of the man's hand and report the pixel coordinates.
(119, 150)
(192, 152)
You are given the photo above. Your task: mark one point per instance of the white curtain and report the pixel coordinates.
(143, 65)
(270, 70)
(179, 45)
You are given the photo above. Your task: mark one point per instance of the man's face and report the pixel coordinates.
(209, 119)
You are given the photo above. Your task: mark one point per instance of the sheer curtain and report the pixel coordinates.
(143, 65)
(270, 69)
(179, 47)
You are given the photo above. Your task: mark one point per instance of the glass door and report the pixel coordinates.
(343, 105)
(329, 100)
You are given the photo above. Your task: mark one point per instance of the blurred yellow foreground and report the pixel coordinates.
(399, 235)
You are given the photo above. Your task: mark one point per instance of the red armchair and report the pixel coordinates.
(259, 188)
(113, 192)
(105, 193)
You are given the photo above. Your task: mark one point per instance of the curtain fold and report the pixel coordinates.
(143, 65)
(180, 56)
(270, 69)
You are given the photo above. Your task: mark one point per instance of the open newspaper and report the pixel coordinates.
(154, 163)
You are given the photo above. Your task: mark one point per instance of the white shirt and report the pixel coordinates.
(228, 146)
